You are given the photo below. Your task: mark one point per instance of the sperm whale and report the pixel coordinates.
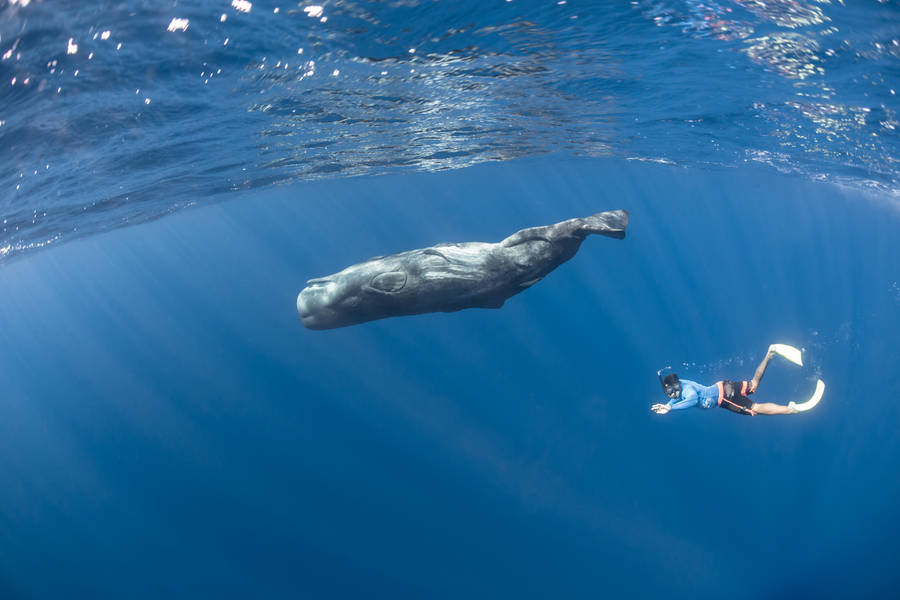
(448, 277)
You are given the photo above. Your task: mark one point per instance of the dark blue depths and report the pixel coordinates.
(170, 429)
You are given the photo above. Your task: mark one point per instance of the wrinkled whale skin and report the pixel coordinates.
(448, 277)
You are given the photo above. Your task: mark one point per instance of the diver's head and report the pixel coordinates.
(672, 386)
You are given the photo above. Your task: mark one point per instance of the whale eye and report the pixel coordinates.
(389, 282)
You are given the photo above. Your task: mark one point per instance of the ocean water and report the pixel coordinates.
(168, 428)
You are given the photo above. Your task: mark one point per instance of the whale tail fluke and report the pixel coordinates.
(611, 223)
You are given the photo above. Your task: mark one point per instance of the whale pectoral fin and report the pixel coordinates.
(529, 283)
(435, 252)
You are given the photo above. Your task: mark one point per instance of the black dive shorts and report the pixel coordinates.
(733, 396)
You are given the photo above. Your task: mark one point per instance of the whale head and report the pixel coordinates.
(446, 277)
(352, 296)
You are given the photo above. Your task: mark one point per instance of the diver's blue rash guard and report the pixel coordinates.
(694, 394)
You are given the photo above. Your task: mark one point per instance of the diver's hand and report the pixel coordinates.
(660, 409)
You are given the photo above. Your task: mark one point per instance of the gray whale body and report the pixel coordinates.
(448, 277)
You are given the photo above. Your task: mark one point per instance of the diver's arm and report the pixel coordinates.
(688, 399)
(682, 404)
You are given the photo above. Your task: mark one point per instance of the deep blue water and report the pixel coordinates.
(168, 428)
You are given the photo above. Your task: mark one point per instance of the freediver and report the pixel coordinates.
(732, 395)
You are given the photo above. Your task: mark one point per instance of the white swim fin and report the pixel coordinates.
(789, 352)
(811, 403)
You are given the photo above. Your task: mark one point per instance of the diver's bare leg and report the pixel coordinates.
(761, 369)
(770, 408)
